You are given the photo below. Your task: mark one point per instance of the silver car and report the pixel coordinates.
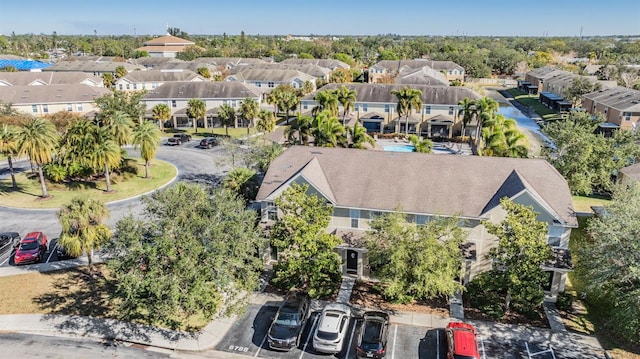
(331, 331)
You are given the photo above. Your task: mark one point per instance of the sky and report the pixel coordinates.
(326, 17)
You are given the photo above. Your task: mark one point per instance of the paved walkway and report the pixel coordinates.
(346, 288)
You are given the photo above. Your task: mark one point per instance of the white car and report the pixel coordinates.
(331, 331)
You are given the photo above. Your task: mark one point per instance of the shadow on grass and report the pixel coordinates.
(85, 303)
(6, 188)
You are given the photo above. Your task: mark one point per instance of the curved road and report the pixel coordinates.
(193, 164)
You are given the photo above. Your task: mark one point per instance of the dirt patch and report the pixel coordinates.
(510, 317)
(366, 295)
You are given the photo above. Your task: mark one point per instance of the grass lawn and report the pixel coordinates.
(205, 132)
(29, 191)
(532, 101)
(65, 292)
(584, 203)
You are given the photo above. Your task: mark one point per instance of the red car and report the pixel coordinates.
(31, 249)
(461, 341)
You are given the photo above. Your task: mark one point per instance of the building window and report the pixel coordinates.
(174, 104)
(365, 107)
(270, 84)
(386, 108)
(355, 216)
(375, 214)
(258, 84)
(154, 85)
(627, 116)
(120, 86)
(305, 106)
(45, 108)
(34, 108)
(451, 110)
(69, 107)
(270, 211)
(421, 219)
(79, 107)
(128, 87)
(233, 103)
(135, 86)
(427, 110)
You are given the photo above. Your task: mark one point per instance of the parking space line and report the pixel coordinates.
(484, 356)
(261, 344)
(51, 252)
(351, 338)
(306, 342)
(437, 344)
(395, 334)
(5, 261)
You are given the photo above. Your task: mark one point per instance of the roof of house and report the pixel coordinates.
(545, 72)
(162, 48)
(90, 66)
(632, 171)
(24, 65)
(26, 95)
(168, 40)
(468, 186)
(310, 69)
(11, 57)
(422, 76)
(620, 98)
(201, 90)
(381, 93)
(154, 62)
(275, 75)
(162, 76)
(27, 78)
(229, 62)
(399, 65)
(328, 63)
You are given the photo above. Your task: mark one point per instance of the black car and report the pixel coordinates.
(9, 240)
(208, 142)
(372, 341)
(178, 139)
(62, 253)
(286, 328)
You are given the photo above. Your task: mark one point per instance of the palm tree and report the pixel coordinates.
(408, 99)
(105, 153)
(501, 138)
(347, 98)
(37, 139)
(146, 137)
(162, 113)
(359, 137)
(327, 131)
(422, 146)
(227, 115)
(267, 122)
(196, 109)
(82, 225)
(119, 126)
(9, 147)
(486, 107)
(467, 110)
(249, 109)
(327, 101)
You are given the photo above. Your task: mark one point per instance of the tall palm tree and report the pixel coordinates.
(486, 108)
(359, 137)
(467, 110)
(267, 122)
(408, 100)
(146, 137)
(422, 146)
(37, 139)
(82, 225)
(119, 125)
(249, 109)
(196, 109)
(227, 115)
(327, 101)
(347, 98)
(327, 131)
(105, 153)
(9, 147)
(162, 113)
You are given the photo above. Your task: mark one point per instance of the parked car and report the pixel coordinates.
(329, 336)
(178, 139)
(32, 248)
(461, 341)
(61, 252)
(372, 341)
(286, 329)
(208, 142)
(9, 240)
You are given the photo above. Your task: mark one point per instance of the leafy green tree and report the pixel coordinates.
(327, 101)
(129, 102)
(340, 76)
(608, 262)
(121, 72)
(286, 98)
(139, 53)
(415, 261)
(267, 122)
(503, 61)
(37, 139)
(347, 98)
(249, 109)
(359, 137)
(540, 59)
(191, 257)
(9, 148)
(307, 88)
(190, 53)
(305, 249)
(327, 131)
(422, 146)
(196, 109)
(580, 86)
(204, 72)
(162, 113)
(83, 227)
(517, 260)
(501, 138)
(146, 138)
(108, 79)
(227, 116)
(118, 125)
(242, 180)
(408, 100)
(9, 68)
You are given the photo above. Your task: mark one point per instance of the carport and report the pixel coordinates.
(373, 122)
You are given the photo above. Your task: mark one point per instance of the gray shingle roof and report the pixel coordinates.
(162, 76)
(275, 75)
(201, 90)
(419, 183)
(422, 76)
(48, 78)
(398, 65)
(381, 93)
(310, 69)
(620, 98)
(328, 63)
(26, 95)
(90, 66)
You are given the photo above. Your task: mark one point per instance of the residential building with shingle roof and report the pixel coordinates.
(151, 79)
(40, 100)
(422, 76)
(49, 78)
(393, 68)
(619, 105)
(92, 67)
(316, 71)
(165, 46)
(364, 184)
(264, 80)
(331, 64)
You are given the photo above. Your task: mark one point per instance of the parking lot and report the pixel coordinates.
(248, 334)
(7, 254)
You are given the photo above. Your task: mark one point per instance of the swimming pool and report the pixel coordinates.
(399, 148)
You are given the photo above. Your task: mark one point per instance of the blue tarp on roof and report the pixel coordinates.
(24, 65)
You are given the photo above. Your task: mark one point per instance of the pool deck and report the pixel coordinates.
(441, 148)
